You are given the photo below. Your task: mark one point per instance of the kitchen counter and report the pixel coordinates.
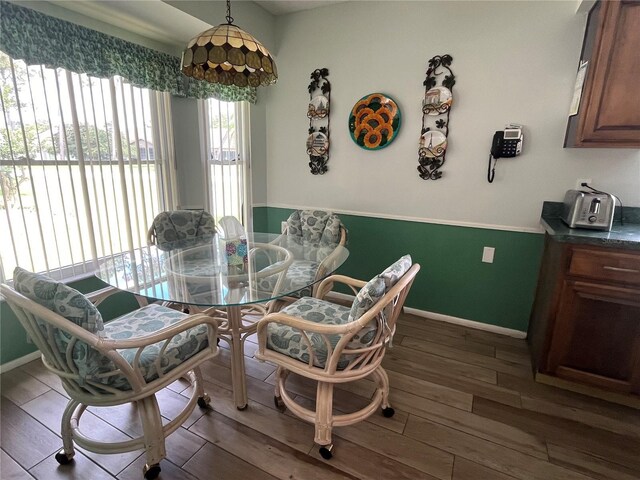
(625, 236)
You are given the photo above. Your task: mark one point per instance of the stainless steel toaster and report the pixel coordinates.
(588, 210)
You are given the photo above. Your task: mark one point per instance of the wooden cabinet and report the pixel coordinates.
(585, 325)
(609, 113)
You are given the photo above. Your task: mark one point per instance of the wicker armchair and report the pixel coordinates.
(126, 360)
(310, 265)
(332, 344)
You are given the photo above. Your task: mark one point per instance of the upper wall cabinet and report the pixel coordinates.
(609, 112)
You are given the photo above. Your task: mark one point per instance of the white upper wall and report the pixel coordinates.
(514, 62)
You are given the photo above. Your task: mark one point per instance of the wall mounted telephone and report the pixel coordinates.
(506, 143)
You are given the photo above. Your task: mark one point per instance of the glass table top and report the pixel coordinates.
(213, 271)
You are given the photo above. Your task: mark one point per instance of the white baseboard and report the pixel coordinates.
(450, 319)
(18, 362)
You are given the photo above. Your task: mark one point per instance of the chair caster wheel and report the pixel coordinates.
(388, 412)
(64, 458)
(151, 471)
(277, 401)
(204, 401)
(326, 451)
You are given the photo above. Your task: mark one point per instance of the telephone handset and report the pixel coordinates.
(506, 144)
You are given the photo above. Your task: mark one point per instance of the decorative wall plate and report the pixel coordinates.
(436, 109)
(432, 144)
(317, 144)
(318, 107)
(437, 101)
(319, 122)
(374, 121)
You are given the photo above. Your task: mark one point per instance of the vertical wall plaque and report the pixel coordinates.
(318, 114)
(436, 107)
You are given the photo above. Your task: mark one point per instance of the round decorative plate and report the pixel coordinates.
(374, 121)
(437, 101)
(317, 144)
(318, 107)
(432, 144)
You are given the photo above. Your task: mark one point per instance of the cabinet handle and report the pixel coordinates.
(618, 269)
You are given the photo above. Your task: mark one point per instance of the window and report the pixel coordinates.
(84, 168)
(228, 159)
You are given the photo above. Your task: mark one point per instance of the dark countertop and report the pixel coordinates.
(625, 236)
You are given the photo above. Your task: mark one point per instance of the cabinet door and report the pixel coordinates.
(610, 108)
(596, 338)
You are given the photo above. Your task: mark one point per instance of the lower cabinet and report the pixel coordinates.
(585, 325)
(596, 336)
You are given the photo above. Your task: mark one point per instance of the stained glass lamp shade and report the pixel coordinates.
(228, 55)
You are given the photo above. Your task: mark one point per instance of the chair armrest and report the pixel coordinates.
(306, 328)
(327, 284)
(164, 333)
(99, 296)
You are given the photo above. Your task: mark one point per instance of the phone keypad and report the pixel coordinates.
(510, 147)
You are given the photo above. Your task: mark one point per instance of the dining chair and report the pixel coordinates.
(180, 228)
(333, 344)
(318, 228)
(126, 360)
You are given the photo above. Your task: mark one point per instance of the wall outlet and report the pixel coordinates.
(580, 181)
(283, 226)
(487, 254)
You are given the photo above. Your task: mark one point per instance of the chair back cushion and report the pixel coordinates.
(395, 271)
(59, 298)
(391, 275)
(367, 297)
(68, 303)
(178, 228)
(314, 225)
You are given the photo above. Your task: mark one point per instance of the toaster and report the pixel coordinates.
(592, 210)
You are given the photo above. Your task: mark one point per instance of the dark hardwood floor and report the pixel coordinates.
(466, 406)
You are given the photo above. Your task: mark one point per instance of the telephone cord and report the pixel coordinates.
(491, 173)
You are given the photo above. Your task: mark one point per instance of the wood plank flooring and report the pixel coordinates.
(467, 408)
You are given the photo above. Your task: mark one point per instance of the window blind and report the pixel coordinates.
(85, 165)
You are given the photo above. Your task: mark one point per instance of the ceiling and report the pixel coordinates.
(283, 7)
(164, 23)
(150, 18)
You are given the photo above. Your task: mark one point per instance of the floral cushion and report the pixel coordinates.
(141, 322)
(289, 341)
(314, 225)
(298, 278)
(392, 274)
(66, 302)
(395, 271)
(367, 297)
(180, 228)
(59, 298)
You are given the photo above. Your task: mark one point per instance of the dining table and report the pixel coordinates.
(235, 280)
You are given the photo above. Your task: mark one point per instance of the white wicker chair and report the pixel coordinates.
(330, 348)
(317, 227)
(121, 371)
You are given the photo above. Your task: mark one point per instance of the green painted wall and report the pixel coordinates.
(453, 280)
(261, 220)
(13, 338)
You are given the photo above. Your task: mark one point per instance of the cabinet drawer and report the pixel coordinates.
(615, 267)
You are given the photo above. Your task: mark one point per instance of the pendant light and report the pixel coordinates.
(228, 55)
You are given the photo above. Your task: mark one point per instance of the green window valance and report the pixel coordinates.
(40, 39)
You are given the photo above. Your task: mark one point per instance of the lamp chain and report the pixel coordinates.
(229, 17)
